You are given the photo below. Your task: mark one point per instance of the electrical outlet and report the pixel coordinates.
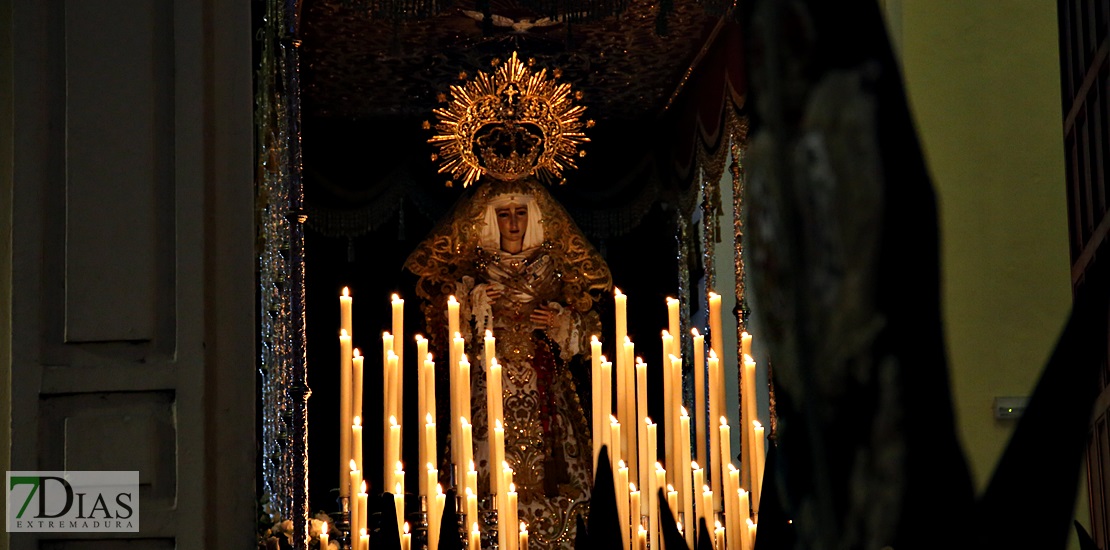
(1009, 408)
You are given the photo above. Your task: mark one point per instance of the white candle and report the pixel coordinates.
(731, 484)
(398, 306)
(596, 389)
(672, 499)
(623, 517)
(615, 437)
(363, 540)
(421, 382)
(706, 504)
(642, 422)
(393, 369)
(406, 538)
(652, 484)
(467, 443)
(345, 372)
(392, 445)
(714, 467)
(674, 432)
(494, 399)
(452, 317)
(356, 397)
(726, 456)
(606, 399)
(399, 476)
(497, 457)
(699, 396)
(430, 393)
(627, 410)
(431, 477)
(620, 307)
(356, 442)
(475, 536)
(523, 536)
(659, 483)
(634, 507)
(353, 479)
(719, 537)
(742, 519)
(748, 408)
(512, 513)
(641, 539)
(387, 403)
(760, 462)
(435, 517)
(746, 343)
(399, 505)
(427, 453)
(685, 489)
(324, 536)
(716, 335)
(698, 475)
(669, 424)
(673, 327)
(471, 504)
(345, 311)
(363, 498)
(751, 532)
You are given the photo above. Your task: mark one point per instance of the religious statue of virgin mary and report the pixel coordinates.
(519, 267)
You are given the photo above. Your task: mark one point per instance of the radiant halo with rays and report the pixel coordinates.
(508, 124)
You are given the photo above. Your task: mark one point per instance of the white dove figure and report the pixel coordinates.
(517, 25)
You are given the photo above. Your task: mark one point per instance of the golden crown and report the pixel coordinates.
(508, 124)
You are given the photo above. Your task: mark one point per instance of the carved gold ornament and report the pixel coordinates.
(508, 124)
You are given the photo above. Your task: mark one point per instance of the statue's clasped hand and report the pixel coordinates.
(543, 318)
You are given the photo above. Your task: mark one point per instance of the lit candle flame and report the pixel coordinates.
(346, 292)
(358, 421)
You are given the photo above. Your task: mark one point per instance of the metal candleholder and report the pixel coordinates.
(487, 509)
(418, 525)
(342, 522)
(463, 524)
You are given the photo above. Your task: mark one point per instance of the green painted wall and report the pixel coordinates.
(983, 80)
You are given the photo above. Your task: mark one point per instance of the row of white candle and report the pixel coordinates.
(462, 435)
(638, 445)
(631, 381)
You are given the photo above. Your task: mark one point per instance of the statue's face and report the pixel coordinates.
(512, 220)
